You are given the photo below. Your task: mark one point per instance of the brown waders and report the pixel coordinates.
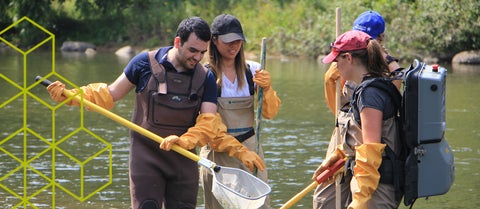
(238, 115)
(158, 176)
(161, 178)
(351, 136)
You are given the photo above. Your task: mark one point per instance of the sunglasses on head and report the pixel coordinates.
(331, 45)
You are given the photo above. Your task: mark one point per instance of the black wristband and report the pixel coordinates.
(390, 59)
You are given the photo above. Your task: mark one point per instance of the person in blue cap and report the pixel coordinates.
(373, 24)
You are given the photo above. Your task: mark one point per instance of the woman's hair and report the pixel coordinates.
(372, 57)
(215, 59)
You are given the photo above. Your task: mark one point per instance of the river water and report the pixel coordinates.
(78, 161)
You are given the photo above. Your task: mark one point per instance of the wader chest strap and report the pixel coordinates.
(197, 81)
(158, 72)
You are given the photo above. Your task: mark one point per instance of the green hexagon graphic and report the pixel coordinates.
(35, 166)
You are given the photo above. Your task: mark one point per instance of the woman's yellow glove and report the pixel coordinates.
(270, 101)
(228, 143)
(262, 79)
(368, 158)
(209, 128)
(250, 159)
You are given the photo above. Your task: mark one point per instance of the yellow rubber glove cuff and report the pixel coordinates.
(368, 158)
(271, 103)
(330, 84)
(205, 130)
(270, 100)
(96, 93)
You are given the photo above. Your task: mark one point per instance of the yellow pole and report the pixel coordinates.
(320, 178)
(300, 195)
(128, 124)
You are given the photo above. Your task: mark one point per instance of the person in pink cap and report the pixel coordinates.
(370, 136)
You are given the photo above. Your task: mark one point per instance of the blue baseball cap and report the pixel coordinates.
(370, 22)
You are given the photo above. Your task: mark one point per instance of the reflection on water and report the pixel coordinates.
(294, 142)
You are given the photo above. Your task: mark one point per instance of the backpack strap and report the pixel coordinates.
(398, 74)
(392, 172)
(249, 76)
(385, 84)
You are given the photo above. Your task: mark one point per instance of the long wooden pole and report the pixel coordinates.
(338, 194)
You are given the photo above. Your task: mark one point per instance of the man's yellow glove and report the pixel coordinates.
(368, 158)
(271, 102)
(96, 93)
(206, 129)
(334, 157)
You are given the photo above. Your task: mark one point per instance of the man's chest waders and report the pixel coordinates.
(168, 105)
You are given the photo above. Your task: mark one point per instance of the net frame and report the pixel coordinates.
(235, 188)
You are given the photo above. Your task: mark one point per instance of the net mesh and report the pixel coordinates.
(235, 188)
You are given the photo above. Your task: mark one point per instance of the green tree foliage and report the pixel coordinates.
(415, 28)
(441, 28)
(25, 34)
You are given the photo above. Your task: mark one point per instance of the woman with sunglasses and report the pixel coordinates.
(369, 123)
(237, 82)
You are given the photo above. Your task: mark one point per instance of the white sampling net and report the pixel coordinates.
(237, 189)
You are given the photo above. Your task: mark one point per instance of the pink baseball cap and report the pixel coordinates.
(349, 41)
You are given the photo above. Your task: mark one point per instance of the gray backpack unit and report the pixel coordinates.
(424, 167)
(429, 166)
